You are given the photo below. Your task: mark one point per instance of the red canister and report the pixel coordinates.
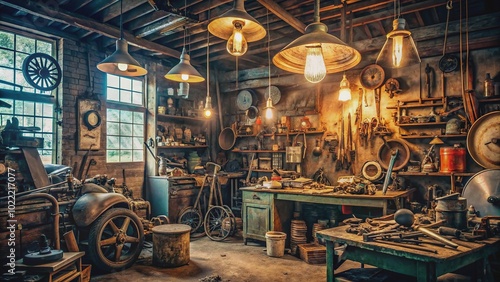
(452, 159)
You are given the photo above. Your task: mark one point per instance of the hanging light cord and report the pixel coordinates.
(316, 11)
(121, 19)
(449, 6)
(208, 54)
(268, 51)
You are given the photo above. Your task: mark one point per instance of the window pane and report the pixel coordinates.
(113, 80)
(126, 129)
(43, 47)
(48, 110)
(7, 75)
(125, 83)
(20, 59)
(47, 125)
(113, 128)
(113, 156)
(125, 155)
(126, 116)
(6, 110)
(113, 94)
(113, 115)
(138, 118)
(113, 142)
(25, 44)
(137, 143)
(47, 140)
(6, 58)
(125, 142)
(137, 98)
(138, 156)
(125, 96)
(138, 130)
(6, 40)
(29, 108)
(137, 85)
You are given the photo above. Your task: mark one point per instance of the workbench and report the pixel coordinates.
(425, 266)
(271, 209)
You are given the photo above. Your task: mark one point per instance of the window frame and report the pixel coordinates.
(117, 105)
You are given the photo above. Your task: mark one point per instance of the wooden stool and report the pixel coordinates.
(171, 245)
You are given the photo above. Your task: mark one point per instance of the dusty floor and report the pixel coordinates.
(231, 260)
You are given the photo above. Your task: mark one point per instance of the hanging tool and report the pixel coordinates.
(359, 109)
(351, 153)
(340, 161)
(394, 155)
(84, 162)
(428, 71)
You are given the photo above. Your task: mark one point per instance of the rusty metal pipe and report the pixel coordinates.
(55, 213)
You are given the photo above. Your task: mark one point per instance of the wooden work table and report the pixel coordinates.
(425, 266)
(271, 209)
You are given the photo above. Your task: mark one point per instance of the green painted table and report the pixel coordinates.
(271, 209)
(425, 266)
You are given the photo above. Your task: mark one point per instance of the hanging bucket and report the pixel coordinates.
(275, 243)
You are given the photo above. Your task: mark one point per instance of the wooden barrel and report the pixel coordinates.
(171, 245)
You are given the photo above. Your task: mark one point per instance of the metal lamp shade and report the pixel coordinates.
(338, 56)
(121, 56)
(223, 26)
(184, 67)
(409, 52)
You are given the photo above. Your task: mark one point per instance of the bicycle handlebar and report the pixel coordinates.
(217, 167)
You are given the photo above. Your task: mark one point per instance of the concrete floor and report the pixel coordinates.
(231, 260)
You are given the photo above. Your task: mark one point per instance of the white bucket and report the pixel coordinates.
(275, 243)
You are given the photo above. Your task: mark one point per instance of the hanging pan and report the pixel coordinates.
(227, 138)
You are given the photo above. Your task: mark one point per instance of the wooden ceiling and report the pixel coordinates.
(157, 28)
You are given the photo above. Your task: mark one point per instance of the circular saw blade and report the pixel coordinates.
(480, 186)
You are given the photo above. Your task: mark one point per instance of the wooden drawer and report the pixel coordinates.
(257, 197)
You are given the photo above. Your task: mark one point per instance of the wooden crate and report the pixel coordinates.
(312, 253)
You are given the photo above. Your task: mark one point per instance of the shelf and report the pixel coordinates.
(432, 136)
(405, 173)
(283, 134)
(180, 118)
(183, 147)
(258, 170)
(416, 124)
(258, 151)
(486, 100)
(415, 106)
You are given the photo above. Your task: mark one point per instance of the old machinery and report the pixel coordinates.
(483, 192)
(483, 140)
(42, 71)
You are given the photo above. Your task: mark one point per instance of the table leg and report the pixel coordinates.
(426, 272)
(384, 208)
(331, 258)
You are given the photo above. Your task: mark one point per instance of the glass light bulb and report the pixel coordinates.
(207, 113)
(184, 76)
(397, 50)
(269, 113)
(237, 44)
(122, 67)
(344, 94)
(315, 69)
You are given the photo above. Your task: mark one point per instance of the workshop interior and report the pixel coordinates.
(266, 140)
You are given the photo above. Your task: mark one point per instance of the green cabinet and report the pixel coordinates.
(257, 212)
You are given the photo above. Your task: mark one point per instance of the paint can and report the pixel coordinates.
(452, 159)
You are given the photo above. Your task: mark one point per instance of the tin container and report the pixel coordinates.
(452, 159)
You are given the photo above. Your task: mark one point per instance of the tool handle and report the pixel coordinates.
(449, 231)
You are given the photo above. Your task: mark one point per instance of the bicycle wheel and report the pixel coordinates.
(191, 217)
(218, 223)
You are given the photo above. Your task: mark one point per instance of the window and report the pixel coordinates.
(125, 119)
(32, 107)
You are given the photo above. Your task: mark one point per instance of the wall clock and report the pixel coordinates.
(244, 100)
(372, 76)
(92, 119)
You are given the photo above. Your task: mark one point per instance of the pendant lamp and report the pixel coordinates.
(120, 62)
(269, 109)
(184, 71)
(345, 90)
(316, 53)
(399, 49)
(238, 27)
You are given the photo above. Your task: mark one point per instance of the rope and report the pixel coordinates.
(268, 51)
(467, 40)
(449, 6)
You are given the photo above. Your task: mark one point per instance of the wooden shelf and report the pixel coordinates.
(405, 173)
(486, 100)
(258, 151)
(283, 134)
(432, 136)
(416, 106)
(183, 147)
(258, 170)
(180, 118)
(416, 124)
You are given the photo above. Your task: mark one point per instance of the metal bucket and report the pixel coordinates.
(227, 138)
(454, 211)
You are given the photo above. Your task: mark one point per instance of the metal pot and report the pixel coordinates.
(227, 138)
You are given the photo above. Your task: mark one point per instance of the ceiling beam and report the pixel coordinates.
(59, 15)
(283, 14)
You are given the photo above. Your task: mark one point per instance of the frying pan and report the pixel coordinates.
(227, 138)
